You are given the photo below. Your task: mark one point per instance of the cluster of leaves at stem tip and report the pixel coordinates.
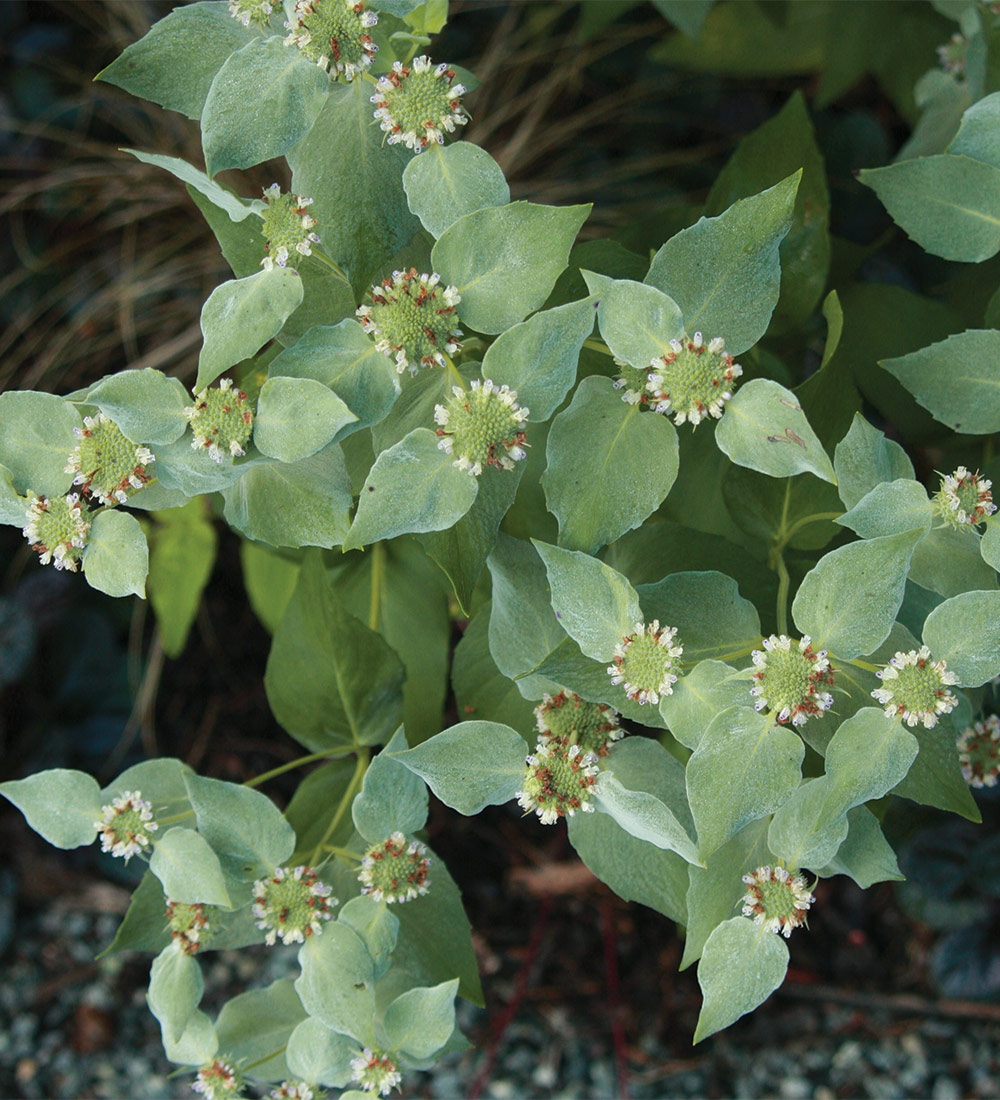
(680, 562)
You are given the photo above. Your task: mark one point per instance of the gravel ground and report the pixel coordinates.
(71, 1027)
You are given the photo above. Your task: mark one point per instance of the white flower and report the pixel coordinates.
(776, 899)
(395, 870)
(915, 688)
(790, 680)
(483, 426)
(291, 904)
(979, 752)
(417, 104)
(643, 662)
(127, 825)
(693, 380)
(558, 781)
(375, 1071)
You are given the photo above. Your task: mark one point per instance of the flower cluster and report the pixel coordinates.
(292, 904)
(395, 870)
(952, 55)
(776, 899)
(246, 12)
(693, 380)
(632, 381)
(482, 426)
(334, 34)
(375, 1071)
(218, 1080)
(412, 319)
(979, 752)
(189, 925)
(791, 679)
(127, 825)
(565, 716)
(558, 780)
(915, 688)
(417, 103)
(287, 228)
(964, 498)
(296, 1090)
(643, 662)
(56, 530)
(221, 420)
(107, 465)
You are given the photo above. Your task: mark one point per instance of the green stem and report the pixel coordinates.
(334, 267)
(174, 818)
(817, 517)
(293, 764)
(266, 1058)
(453, 370)
(342, 853)
(598, 345)
(345, 802)
(378, 568)
(738, 653)
(865, 665)
(782, 602)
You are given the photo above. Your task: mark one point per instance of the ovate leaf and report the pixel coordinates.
(452, 181)
(36, 437)
(116, 557)
(504, 260)
(296, 417)
(188, 868)
(61, 805)
(964, 632)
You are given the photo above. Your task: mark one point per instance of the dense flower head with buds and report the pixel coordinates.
(693, 380)
(915, 688)
(218, 1080)
(190, 925)
(334, 34)
(57, 530)
(482, 426)
(952, 55)
(790, 681)
(107, 465)
(395, 869)
(287, 228)
(127, 827)
(375, 1071)
(558, 780)
(979, 752)
(964, 498)
(257, 12)
(632, 382)
(565, 716)
(221, 420)
(412, 318)
(296, 1090)
(291, 903)
(418, 103)
(643, 662)
(776, 899)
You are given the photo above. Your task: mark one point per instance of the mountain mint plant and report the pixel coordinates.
(787, 577)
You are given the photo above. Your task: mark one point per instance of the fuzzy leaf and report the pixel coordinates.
(452, 181)
(61, 805)
(116, 557)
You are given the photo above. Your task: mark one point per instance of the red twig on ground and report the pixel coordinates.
(614, 998)
(520, 988)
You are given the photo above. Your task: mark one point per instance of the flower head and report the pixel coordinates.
(395, 870)
(287, 228)
(190, 927)
(694, 379)
(107, 465)
(127, 826)
(979, 752)
(218, 1080)
(416, 103)
(565, 716)
(915, 688)
(482, 426)
(57, 530)
(557, 781)
(964, 499)
(334, 34)
(952, 55)
(221, 420)
(246, 12)
(296, 1090)
(412, 319)
(632, 381)
(644, 661)
(292, 904)
(776, 899)
(790, 679)
(375, 1071)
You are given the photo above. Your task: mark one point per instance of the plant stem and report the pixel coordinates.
(334, 267)
(864, 664)
(782, 602)
(378, 568)
(266, 1058)
(345, 802)
(817, 517)
(598, 345)
(293, 764)
(343, 853)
